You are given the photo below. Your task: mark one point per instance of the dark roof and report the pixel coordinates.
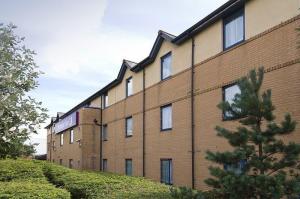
(125, 64)
(227, 8)
(161, 36)
(51, 122)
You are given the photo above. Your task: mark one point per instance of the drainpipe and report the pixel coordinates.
(100, 126)
(101, 120)
(144, 100)
(193, 114)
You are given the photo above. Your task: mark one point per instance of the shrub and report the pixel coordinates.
(103, 185)
(19, 169)
(29, 190)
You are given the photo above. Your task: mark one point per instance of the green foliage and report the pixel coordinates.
(80, 184)
(24, 179)
(20, 114)
(84, 184)
(19, 170)
(29, 190)
(272, 165)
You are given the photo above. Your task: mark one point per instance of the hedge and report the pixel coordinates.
(39, 179)
(25, 179)
(28, 189)
(104, 185)
(19, 169)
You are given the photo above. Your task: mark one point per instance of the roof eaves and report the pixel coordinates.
(220, 12)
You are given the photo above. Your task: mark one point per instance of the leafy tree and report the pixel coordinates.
(260, 165)
(20, 114)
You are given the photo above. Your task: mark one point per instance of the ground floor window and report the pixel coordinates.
(128, 167)
(166, 171)
(71, 163)
(236, 168)
(60, 161)
(104, 164)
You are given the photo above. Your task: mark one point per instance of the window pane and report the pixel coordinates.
(104, 132)
(105, 101)
(128, 165)
(166, 66)
(229, 94)
(236, 168)
(129, 87)
(166, 171)
(129, 126)
(71, 163)
(234, 30)
(104, 165)
(71, 136)
(167, 117)
(61, 139)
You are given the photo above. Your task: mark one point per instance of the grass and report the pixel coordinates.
(60, 181)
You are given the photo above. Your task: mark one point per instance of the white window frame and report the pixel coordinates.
(164, 71)
(164, 120)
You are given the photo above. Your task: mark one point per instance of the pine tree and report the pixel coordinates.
(260, 164)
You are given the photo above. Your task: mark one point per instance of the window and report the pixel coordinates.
(104, 132)
(166, 171)
(71, 163)
(166, 117)
(105, 100)
(166, 66)
(60, 161)
(229, 93)
(233, 29)
(128, 167)
(61, 139)
(128, 127)
(104, 164)
(71, 136)
(129, 86)
(236, 168)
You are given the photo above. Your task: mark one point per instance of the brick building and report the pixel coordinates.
(157, 118)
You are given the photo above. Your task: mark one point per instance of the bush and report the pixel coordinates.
(103, 185)
(28, 190)
(19, 169)
(36, 179)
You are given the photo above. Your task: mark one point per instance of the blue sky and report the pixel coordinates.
(80, 44)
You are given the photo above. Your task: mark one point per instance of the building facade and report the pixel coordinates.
(157, 118)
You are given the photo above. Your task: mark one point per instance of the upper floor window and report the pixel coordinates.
(234, 29)
(129, 86)
(166, 171)
(166, 66)
(104, 132)
(229, 93)
(166, 117)
(128, 167)
(61, 139)
(105, 100)
(128, 127)
(71, 136)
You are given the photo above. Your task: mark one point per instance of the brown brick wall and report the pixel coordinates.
(274, 49)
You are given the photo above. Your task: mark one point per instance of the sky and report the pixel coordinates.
(80, 44)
